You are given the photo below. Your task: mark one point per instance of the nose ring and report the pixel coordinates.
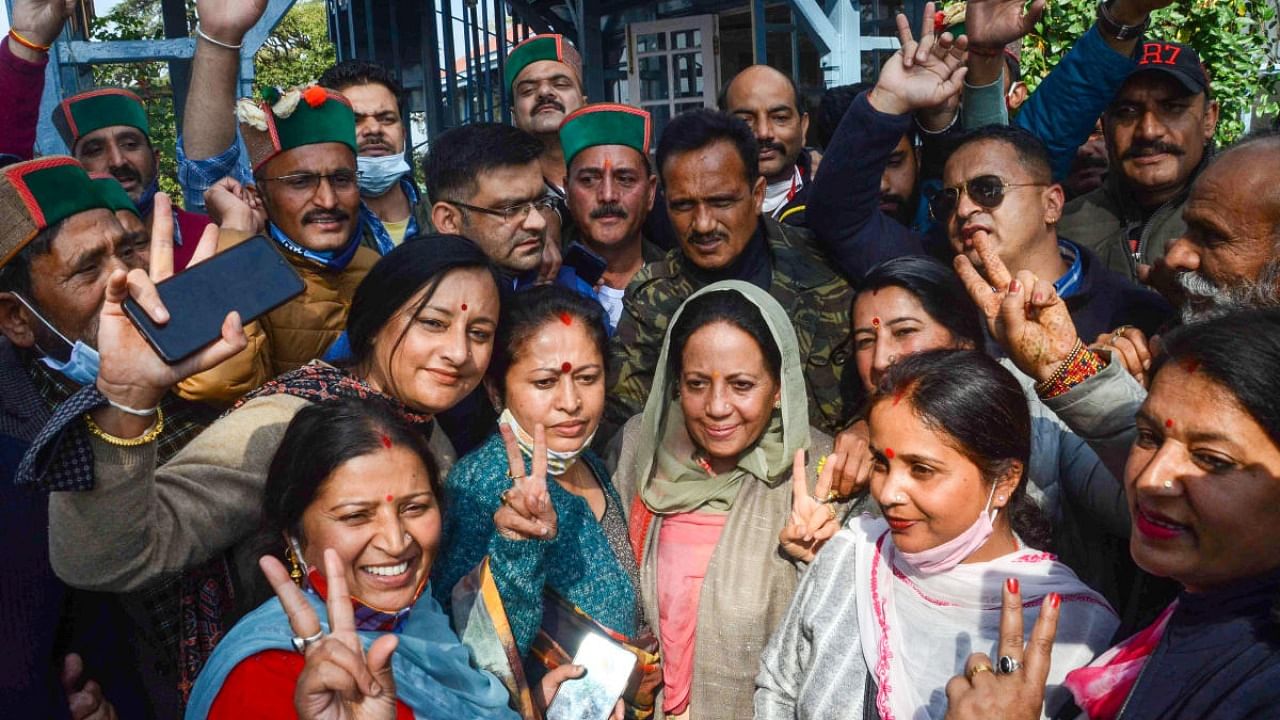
(1168, 484)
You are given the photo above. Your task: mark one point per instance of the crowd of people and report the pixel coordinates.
(963, 404)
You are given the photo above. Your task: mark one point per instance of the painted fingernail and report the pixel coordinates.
(1055, 599)
(1014, 286)
(1012, 585)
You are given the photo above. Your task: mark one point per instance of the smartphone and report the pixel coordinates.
(588, 265)
(251, 278)
(592, 696)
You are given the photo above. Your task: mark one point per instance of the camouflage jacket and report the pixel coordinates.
(803, 282)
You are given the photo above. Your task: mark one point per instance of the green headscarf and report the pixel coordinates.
(671, 479)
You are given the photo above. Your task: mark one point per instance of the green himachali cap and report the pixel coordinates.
(38, 194)
(113, 195)
(541, 47)
(301, 116)
(82, 114)
(605, 124)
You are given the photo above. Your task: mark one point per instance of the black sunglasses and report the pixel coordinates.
(987, 191)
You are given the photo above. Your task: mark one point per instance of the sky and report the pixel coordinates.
(102, 6)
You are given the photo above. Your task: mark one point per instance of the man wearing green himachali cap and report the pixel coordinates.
(610, 190)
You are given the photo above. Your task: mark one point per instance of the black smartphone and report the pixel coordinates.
(251, 278)
(588, 265)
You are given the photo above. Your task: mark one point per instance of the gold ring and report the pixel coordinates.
(513, 477)
(1120, 330)
(975, 670)
(832, 510)
(834, 496)
(503, 497)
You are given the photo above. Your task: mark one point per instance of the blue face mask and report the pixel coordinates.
(377, 174)
(81, 367)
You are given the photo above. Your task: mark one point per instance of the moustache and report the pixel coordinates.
(772, 145)
(700, 238)
(548, 102)
(1197, 285)
(609, 210)
(325, 216)
(1152, 148)
(124, 173)
(376, 141)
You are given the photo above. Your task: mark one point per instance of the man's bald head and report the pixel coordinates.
(1230, 255)
(771, 105)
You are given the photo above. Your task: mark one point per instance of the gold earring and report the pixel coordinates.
(777, 404)
(295, 570)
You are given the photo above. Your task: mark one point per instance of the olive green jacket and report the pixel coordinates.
(1103, 221)
(803, 282)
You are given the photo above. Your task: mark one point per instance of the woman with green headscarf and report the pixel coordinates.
(704, 472)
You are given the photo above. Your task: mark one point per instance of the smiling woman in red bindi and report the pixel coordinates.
(894, 605)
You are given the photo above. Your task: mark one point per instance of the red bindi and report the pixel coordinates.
(386, 441)
(875, 322)
(566, 367)
(390, 498)
(464, 307)
(1168, 423)
(566, 318)
(888, 452)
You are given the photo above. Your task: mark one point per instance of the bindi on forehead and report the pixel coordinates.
(390, 498)
(566, 367)
(888, 452)
(1169, 423)
(875, 322)
(385, 440)
(566, 318)
(464, 307)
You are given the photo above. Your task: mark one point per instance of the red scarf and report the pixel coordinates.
(1101, 687)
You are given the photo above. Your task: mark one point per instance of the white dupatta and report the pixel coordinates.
(917, 630)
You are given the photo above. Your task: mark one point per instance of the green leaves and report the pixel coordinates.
(1230, 35)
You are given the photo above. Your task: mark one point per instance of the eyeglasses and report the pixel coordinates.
(987, 191)
(519, 211)
(340, 181)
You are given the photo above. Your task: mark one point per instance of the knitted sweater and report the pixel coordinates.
(578, 563)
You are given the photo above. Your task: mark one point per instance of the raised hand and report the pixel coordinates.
(1024, 314)
(996, 23)
(552, 258)
(228, 20)
(39, 21)
(526, 512)
(339, 681)
(85, 700)
(850, 462)
(232, 206)
(921, 74)
(131, 372)
(813, 517)
(983, 693)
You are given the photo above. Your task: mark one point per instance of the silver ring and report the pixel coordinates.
(1006, 665)
(301, 644)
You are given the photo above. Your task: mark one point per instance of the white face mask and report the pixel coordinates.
(376, 175)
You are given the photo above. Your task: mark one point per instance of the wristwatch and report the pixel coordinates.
(1109, 26)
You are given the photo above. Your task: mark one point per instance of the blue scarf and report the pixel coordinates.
(330, 259)
(379, 231)
(147, 202)
(432, 668)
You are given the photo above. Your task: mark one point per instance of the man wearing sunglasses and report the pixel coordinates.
(997, 183)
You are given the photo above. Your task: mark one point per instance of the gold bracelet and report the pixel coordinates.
(148, 436)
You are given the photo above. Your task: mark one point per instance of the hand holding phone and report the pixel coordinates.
(593, 696)
(251, 278)
(130, 372)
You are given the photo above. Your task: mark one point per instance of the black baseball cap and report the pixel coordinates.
(1180, 61)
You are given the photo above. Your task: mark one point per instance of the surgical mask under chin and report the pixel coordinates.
(377, 174)
(558, 461)
(952, 552)
(81, 367)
